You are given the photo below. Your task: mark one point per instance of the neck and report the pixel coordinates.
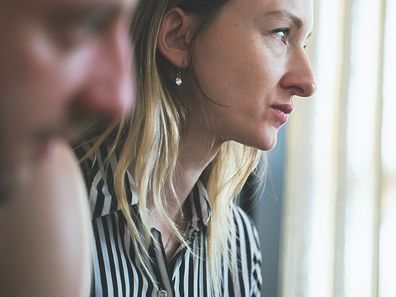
(195, 154)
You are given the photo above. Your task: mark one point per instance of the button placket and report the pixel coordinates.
(162, 268)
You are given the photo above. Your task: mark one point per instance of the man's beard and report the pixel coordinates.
(12, 177)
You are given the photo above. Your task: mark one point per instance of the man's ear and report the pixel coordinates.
(175, 35)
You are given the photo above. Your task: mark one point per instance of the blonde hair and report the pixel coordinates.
(150, 141)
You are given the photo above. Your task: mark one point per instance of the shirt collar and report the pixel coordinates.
(103, 201)
(197, 207)
(102, 195)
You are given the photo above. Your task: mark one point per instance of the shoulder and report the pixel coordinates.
(248, 251)
(91, 161)
(97, 166)
(99, 169)
(245, 228)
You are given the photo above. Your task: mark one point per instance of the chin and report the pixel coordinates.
(268, 147)
(7, 188)
(11, 179)
(16, 170)
(263, 141)
(267, 143)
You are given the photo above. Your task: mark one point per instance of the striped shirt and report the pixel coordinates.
(117, 270)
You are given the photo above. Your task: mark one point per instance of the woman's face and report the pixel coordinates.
(250, 60)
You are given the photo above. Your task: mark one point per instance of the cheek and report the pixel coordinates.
(236, 69)
(56, 76)
(219, 63)
(42, 80)
(30, 68)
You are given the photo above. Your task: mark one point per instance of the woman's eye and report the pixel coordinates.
(281, 34)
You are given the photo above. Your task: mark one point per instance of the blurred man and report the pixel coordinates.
(61, 60)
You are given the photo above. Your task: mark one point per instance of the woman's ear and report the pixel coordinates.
(175, 36)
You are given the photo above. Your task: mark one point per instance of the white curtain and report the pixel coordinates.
(339, 218)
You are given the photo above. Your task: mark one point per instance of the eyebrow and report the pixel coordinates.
(287, 15)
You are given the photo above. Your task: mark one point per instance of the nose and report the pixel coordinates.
(299, 78)
(109, 87)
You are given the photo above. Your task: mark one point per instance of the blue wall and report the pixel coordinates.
(267, 216)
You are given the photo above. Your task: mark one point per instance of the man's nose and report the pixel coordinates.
(109, 87)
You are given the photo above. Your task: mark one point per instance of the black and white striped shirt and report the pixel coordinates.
(117, 271)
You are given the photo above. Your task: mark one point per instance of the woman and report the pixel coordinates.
(216, 81)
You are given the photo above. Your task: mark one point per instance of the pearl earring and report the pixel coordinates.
(178, 79)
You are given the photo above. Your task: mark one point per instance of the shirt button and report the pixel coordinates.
(162, 293)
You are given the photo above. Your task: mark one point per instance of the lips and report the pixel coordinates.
(284, 108)
(281, 112)
(44, 139)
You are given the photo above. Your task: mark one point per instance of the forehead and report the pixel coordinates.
(277, 4)
(299, 8)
